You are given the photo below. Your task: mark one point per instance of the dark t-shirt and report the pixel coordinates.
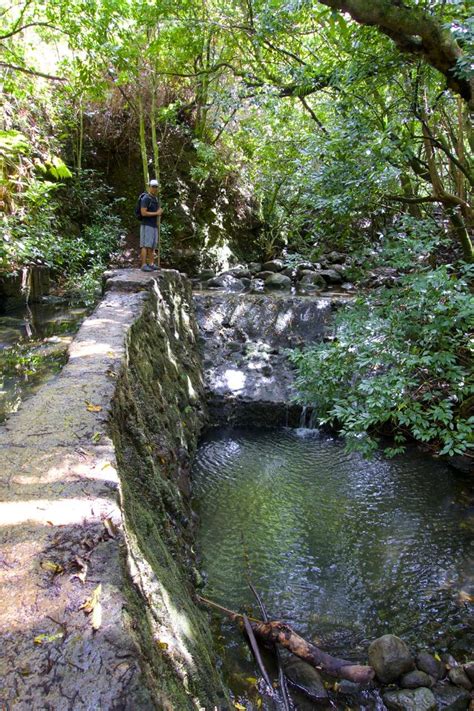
(150, 203)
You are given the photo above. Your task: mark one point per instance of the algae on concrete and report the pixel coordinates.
(156, 420)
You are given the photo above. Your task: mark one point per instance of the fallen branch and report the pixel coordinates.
(256, 652)
(280, 633)
(281, 673)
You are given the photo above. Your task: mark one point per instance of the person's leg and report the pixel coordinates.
(153, 245)
(150, 256)
(143, 256)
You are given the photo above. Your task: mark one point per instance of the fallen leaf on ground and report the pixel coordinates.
(96, 437)
(110, 527)
(89, 604)
(91, 407)
(83, 567)
(51, 567)
(45, 638)
(96, 617)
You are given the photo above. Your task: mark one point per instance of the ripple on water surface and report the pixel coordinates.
(341, 548)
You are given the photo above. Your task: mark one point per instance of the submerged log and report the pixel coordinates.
(280, 633)
(277, 632)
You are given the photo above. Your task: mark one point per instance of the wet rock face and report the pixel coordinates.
(415, 679)
(458, 676)
(427, 663)
(278, 281)
(469, 669)
(410, 700)
(227, 282)
(274, 265)
(451, 698)
(390, 657)
(312, 279)
(243, 339)
(305, 677)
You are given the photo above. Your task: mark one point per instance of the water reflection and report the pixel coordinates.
(341, 548)
(33, 343)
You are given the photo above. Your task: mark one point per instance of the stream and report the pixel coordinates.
(342, 549)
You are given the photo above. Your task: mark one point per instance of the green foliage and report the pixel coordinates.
(400, 362)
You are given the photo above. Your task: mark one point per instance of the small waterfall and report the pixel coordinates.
(308, 418)
(304, 413)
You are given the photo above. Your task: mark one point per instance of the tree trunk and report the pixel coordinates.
(142, 137)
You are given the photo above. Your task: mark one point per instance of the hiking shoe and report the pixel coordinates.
(147, 268)
(154, 267)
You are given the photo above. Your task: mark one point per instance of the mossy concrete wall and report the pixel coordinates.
(157, 416)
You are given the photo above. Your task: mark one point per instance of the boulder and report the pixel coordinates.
(307, 678)
(257, 286)
(339, 268)
(451, 698)
(410, 700)
(264, 274)
(382, 276)
(349, 688)
(415, 679)
(331, 276)
(289, 272)
(277, 281)
(234, 346)
(254, 267)
(239, 272)
(335, 257)
(274, 265)
(206, 274)
(427, 663)
(226, 282)
(308, 266)
(312, 279)
(390, 657)
(469, 669)
(459, 677)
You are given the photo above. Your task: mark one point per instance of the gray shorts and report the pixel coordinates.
(148, 236)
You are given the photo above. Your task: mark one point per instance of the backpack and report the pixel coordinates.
(138, 213)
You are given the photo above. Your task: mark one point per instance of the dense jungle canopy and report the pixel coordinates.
(276, 129)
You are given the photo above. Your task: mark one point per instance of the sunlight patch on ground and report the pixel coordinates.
(58, 512)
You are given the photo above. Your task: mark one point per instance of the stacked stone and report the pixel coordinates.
(419, 683)
(305, 277)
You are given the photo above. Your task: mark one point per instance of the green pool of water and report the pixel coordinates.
(341, 548)
(32, 347)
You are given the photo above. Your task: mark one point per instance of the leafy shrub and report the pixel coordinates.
(400, 362)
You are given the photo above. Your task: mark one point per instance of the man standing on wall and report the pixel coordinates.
(150, 213)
